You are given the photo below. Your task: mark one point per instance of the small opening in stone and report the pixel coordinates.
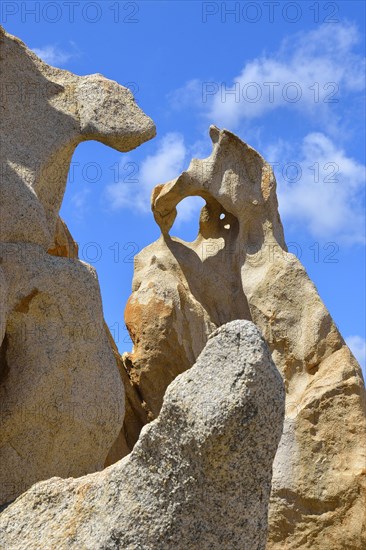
(186, 224)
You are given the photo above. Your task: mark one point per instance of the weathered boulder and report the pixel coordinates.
(136, 414)
(62, 401)
(181, 293)
(46, 112)
(199, 476)
(239, 267)
(61, 397)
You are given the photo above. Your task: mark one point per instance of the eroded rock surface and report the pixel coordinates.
(136, 414)
(199, 476)
(46, 112)
(239, 267)
(61, 397)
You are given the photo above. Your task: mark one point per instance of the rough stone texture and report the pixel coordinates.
(46, 112)
(239, 267)
(199, 477)
(181, 293)
(63, 244)
(3, 308)
(136, 414)
(61, 397)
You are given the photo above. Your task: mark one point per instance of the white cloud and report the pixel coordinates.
(79, 201)
(319, 185)
(53, 55)
(164, 165)
(169, 160)
(320, 188)
(357, 345)
(309, 72)
(185, 96)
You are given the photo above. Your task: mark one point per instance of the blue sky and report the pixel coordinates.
(287, 77)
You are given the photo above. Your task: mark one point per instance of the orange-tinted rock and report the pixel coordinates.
(63, 245)
(239, 267)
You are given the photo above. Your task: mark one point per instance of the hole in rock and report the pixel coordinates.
(102, 208)
(186, 224)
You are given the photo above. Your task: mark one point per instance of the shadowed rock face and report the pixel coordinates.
(239, 267)
(61, 397)
(199, 476)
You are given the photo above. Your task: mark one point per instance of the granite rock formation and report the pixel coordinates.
(61, 397)
(136, 414)
(199, 476)
(239, 267)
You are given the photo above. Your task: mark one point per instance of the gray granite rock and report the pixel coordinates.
(198, 478)
(61, 396)
(45, 113)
